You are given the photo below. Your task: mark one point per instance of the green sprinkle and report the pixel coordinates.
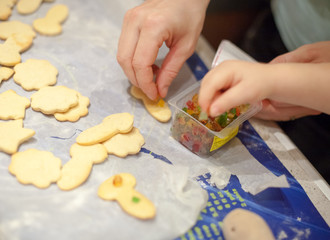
(135, 199)
(184, 109)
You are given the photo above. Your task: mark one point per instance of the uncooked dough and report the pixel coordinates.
(50, 100)
(75, 113)
(110, 126)
(123, 144)
(5, 73)
(9, 28)
(51, 24)
(9, 54)
(13, 135)
(12, 105)
(34, 74)
(120, 187)
(243, 224)
(36, 167)
(28, 6)
(158, 109)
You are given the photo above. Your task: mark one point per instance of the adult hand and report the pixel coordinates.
(178, 23)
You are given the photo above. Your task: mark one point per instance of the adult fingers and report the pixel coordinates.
(171, 66)
(127, 44)
(146, 51)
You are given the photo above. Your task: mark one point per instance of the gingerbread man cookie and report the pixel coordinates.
(121, 188)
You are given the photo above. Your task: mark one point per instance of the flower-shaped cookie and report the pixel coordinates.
(50, 100)
(10, 27)
(12, 105)
(34, 74)
(5, 73)
(36, 167)
(12, 135)
(123, 144)
(75, 113)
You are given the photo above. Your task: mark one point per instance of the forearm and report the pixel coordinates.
(305, 84)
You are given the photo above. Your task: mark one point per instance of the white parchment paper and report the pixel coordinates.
(85, 55)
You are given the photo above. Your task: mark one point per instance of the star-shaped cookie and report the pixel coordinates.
(12, 135)
(12, 105)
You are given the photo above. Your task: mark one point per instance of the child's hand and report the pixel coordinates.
(233, 83)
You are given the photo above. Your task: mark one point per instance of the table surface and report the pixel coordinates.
(290, 156)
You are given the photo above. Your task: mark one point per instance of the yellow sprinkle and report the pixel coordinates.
(161, 103)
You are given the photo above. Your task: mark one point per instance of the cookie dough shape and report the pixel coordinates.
(28, 6)
(40, 168)
(243, 224)
(13, 135)
(121, 188)
(74, 173)
(158, 109)
(6, 8)
(20, 40)
(9, 28)
(5, 73)
(12, 105)
(123, 144)
(34, 74)
(51, 24)
(50, 100)
(96, 153)
(110, 126)
(75, 113)
(9, 54)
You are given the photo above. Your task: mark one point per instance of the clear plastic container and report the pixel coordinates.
(193, 134)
